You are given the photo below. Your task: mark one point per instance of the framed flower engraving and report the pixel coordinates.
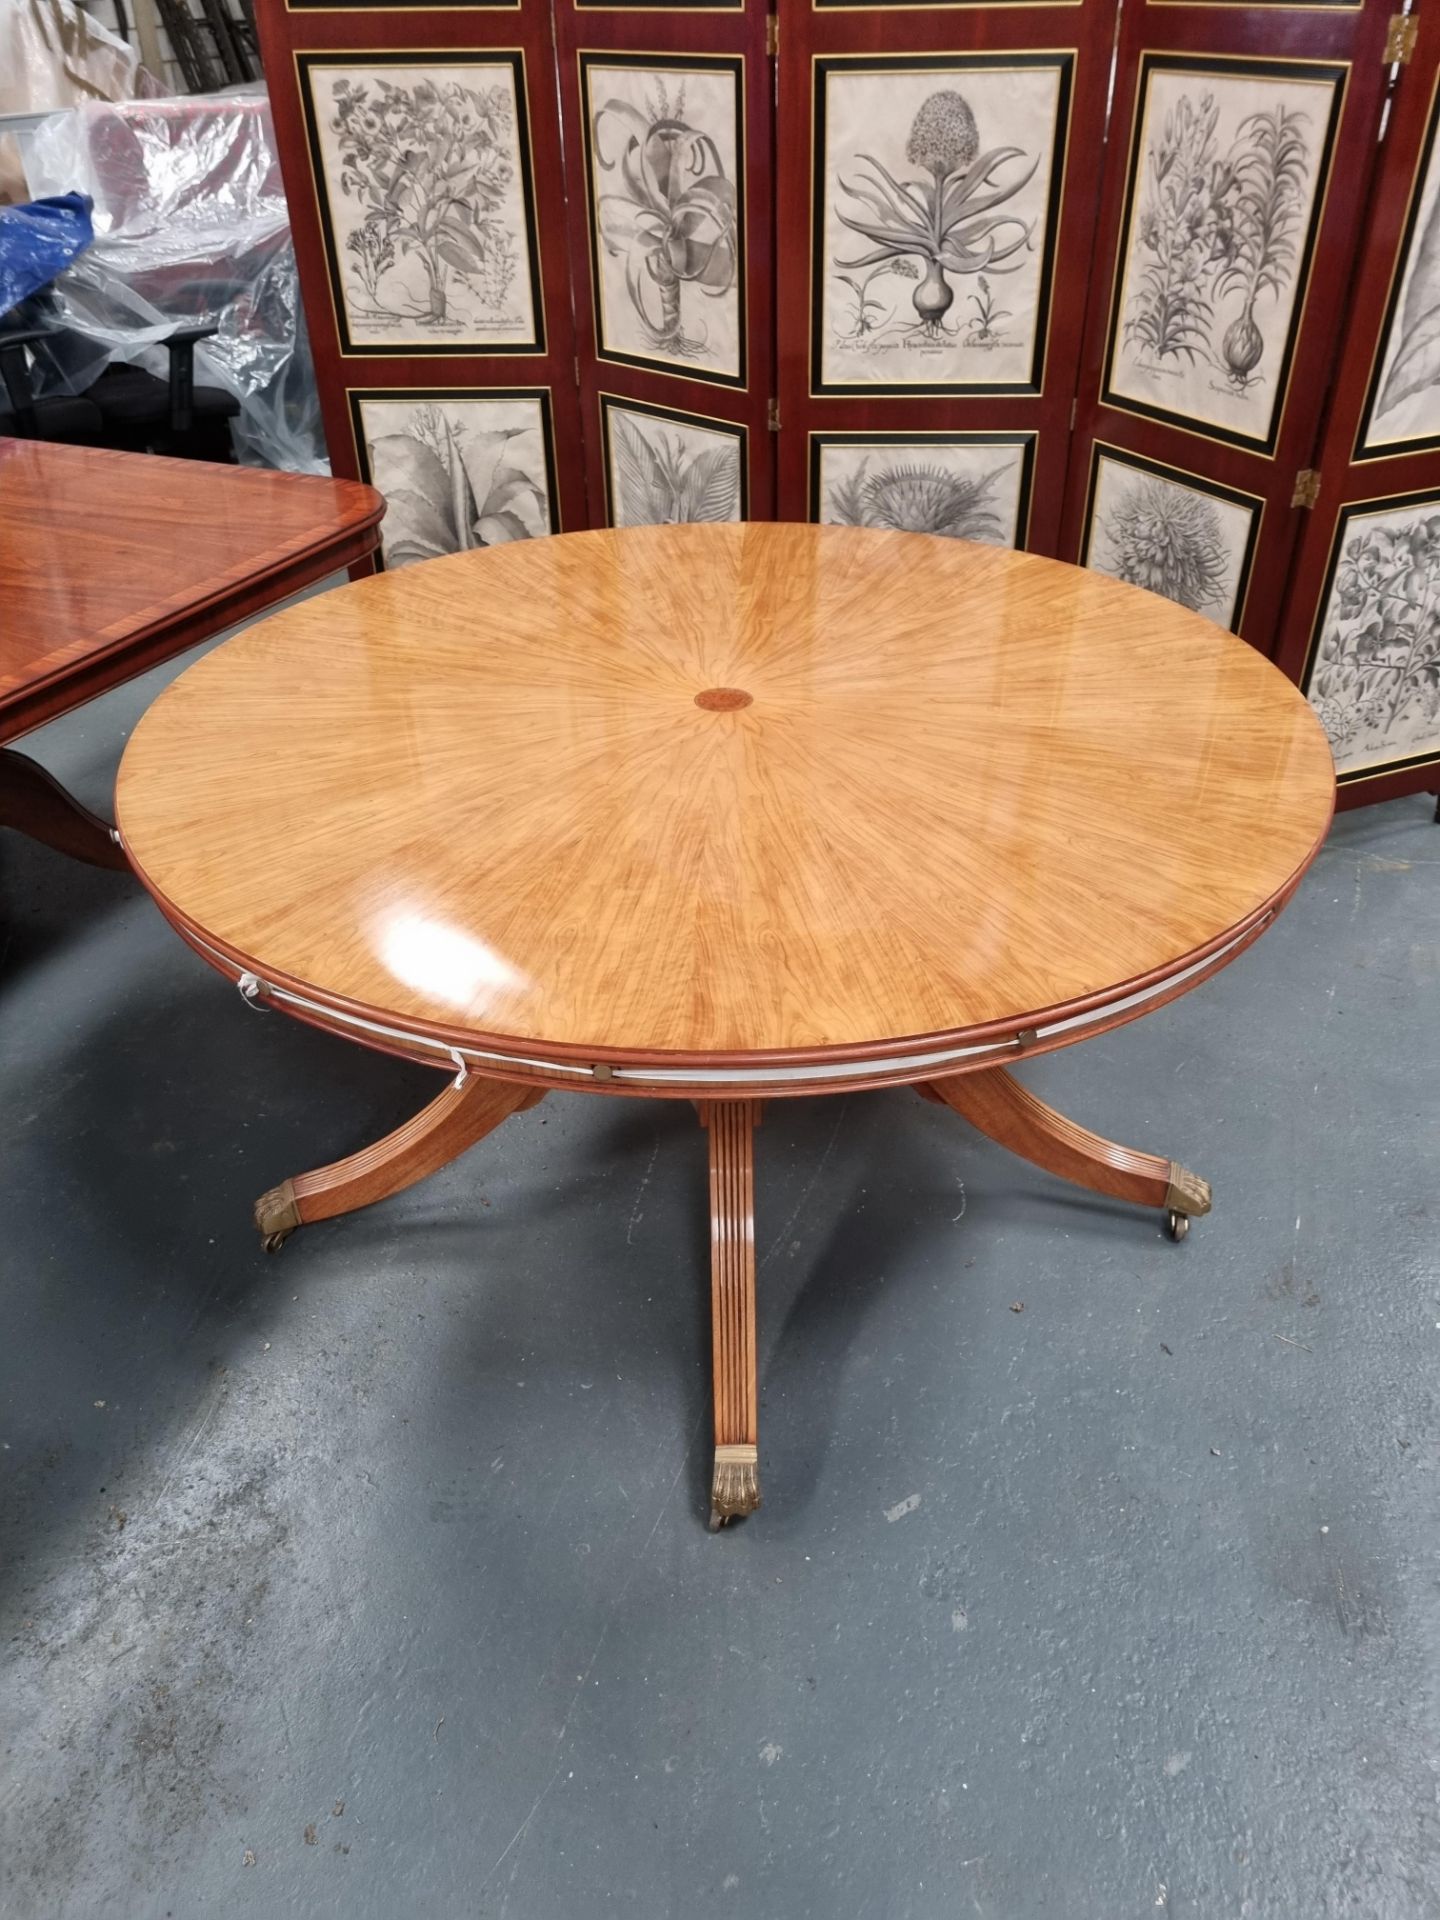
(935, 181)
(1158, 527)
(665, 172)
(460, 467)
(1227, 174)
(1373, 672)
(664, 467)
(423, 176)
(1402, 408)
(962, 486)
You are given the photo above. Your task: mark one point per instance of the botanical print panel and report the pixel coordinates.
(963, 490)
(423, 176)
(1406, 402)
(664, 469)
(1182, 541)
(1375, 678)
(933, 240)
(456, 473)
(666, 172)
(1217, 235)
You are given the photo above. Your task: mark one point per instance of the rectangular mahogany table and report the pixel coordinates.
(111, 562)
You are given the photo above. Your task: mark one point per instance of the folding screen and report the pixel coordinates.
(1222, 260)
(1361, 627)
(668, 175)
(421, 149)
(866, 263)
(936, 196)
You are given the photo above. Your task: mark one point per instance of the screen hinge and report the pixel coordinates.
(772, 417)
(1307, 488)
(1400, 40)
(772, 34)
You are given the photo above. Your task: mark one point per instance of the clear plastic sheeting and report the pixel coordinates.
(52, 53)
(191, 229)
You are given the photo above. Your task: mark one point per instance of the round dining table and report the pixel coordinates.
(726, 814)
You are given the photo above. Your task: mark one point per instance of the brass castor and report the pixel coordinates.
(1188, 1194)
(735, 1488)
(277, 1216)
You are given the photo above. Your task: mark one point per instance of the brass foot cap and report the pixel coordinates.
(735, 1488)
(277, 1214)
(1187, 1192)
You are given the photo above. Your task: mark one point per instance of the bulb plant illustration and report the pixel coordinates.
(1168, 539)
(869, 312)
(1266, 190)
(671, 215)
(1215, 227)
(920, 497)
(984, 327)
(431, 165)
(947, 222)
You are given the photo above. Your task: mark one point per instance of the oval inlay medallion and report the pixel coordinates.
(723, 699)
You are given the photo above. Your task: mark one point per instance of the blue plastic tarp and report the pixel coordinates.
(39, 240)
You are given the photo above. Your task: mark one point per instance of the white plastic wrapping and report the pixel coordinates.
(53, 53)
(191, 228)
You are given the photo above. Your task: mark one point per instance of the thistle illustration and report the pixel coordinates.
(921, 497)
(1168, 539)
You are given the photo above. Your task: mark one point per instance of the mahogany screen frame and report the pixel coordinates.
(1354, 36)
(1353, 479)
(674, 36)
(413, 33)
(809, 36)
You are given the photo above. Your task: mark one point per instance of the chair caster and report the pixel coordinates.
(273, 1242)
(1177, 1225)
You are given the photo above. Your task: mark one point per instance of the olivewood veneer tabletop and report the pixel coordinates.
(712, 791)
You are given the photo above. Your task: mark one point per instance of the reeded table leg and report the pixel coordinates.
(999, 1106)
(465, 1112)
(735, 1488)
(33, 802)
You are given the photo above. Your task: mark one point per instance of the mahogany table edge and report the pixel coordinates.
(32, 801)
(46, 699)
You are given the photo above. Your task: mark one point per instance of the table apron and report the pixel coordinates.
(682, 1081)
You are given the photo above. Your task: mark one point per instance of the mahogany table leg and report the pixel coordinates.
(465, 1112)
(995, 1102)
(735, 1487)
(33, 802)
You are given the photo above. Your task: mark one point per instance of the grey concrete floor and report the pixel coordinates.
(371, 1580)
